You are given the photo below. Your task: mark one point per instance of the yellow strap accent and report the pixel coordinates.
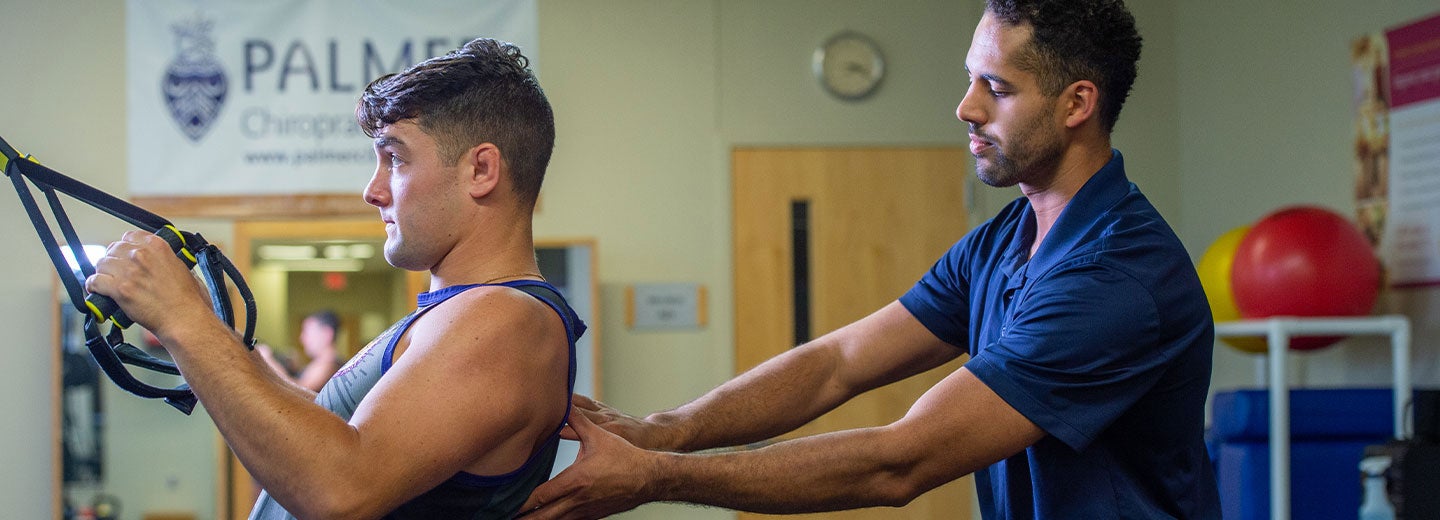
(95, 310)
(5, 161)
(184, 248)
(172, 228)
(101, 316)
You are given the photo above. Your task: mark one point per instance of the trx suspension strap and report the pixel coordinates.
(110, 350)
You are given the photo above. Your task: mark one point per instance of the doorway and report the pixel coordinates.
(298, 266)
(824, 237)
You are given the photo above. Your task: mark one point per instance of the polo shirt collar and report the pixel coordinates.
(1100, 193)
(1103, 191)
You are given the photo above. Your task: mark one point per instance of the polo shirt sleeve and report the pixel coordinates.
(1077, 351)
(941, 299)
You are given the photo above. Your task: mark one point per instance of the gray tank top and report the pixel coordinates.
(464, 495)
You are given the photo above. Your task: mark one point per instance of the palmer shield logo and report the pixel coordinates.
(194, 84)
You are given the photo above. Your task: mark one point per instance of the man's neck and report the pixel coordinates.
(1076, 167)
(492, 252)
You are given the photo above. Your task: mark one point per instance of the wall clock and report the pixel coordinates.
(849, 65)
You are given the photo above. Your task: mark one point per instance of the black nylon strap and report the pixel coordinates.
(110, 350)
(115, 206)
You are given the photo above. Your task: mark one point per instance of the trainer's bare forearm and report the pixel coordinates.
(771, 399)
(793, 388)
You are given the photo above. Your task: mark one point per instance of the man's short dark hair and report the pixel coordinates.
(327, 318)
(1075, 40)
(482, 92)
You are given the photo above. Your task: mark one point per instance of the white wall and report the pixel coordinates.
(636, 166)
(64, 103)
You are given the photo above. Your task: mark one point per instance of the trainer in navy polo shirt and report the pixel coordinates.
(1103, 340)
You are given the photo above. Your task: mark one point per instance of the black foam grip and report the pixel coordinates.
(108, 310)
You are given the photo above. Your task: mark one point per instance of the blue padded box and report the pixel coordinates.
(1329, 430)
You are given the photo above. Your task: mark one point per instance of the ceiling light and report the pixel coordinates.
(362, 251)
(350, 265)
(336, 251)
(284, 252)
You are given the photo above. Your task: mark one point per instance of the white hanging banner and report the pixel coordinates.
(258, 97)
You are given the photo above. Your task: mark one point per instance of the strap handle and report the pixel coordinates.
(104, 308)
(110, 350)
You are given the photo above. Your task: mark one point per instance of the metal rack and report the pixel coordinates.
(1279, 330)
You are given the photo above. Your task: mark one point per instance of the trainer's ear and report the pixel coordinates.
(1080, 102)
(485, 166)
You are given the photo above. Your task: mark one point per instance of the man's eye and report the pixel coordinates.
(395, 161)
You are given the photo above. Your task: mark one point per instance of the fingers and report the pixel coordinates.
(598, 484)
(585, 403)
(568, 433)
(594, 416)
(108, 268)
(133, 255)
(139, 237)
(636, 431)
(570, 504)
(598, 412)
(580, 425)
(543, 513)
(572, 432)
(147, 280)
(549, 500)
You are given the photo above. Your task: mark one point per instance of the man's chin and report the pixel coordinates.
(994, 181)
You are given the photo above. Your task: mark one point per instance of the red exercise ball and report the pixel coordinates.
(1305, 261)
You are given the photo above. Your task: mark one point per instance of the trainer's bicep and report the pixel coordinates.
(960, 426)
(889, 345)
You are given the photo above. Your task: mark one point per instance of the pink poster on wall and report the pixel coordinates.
(1396, 76)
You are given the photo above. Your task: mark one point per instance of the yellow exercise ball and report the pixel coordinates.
(1214, 270)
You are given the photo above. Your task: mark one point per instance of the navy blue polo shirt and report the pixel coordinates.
(1103, 340)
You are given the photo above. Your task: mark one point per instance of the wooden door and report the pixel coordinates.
(824, 237)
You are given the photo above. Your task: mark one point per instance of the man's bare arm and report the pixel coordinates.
(464, 388)
(956, 428)
(791, 389)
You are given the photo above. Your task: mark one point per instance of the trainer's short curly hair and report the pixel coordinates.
(1075, 40)
(482, 92)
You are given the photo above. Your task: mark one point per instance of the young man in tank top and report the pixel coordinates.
(455, 411)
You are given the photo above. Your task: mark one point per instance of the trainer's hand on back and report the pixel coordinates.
(609, 476)
(639, 432)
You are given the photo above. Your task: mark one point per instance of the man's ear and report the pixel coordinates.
(1080, 102)
(485, 165)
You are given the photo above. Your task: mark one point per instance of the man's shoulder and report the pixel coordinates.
(487, 310)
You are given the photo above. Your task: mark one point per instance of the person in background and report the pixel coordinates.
(318, 334)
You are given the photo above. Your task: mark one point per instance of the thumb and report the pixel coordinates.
(580, 425)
